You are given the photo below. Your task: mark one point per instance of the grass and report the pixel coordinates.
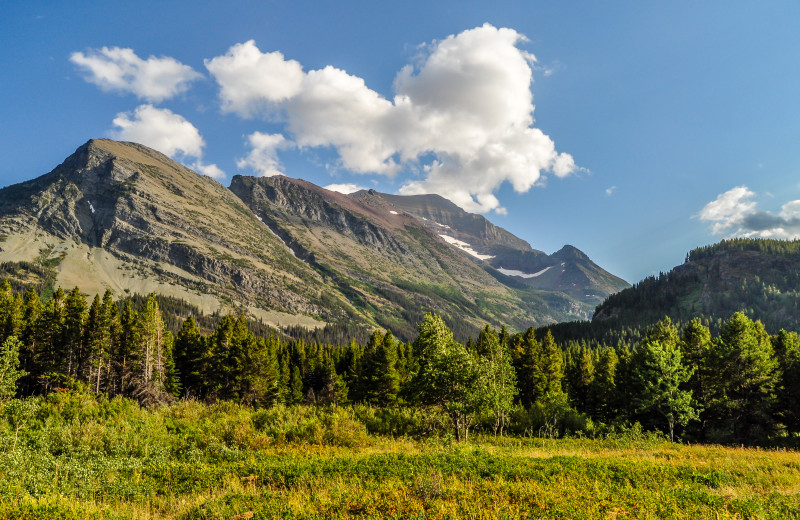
(79, 457)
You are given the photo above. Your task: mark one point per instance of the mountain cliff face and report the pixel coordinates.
(123, 217)
(760, 277)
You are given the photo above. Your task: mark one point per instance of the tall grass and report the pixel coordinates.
(70, 455)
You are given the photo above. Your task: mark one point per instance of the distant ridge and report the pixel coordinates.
(758, 276)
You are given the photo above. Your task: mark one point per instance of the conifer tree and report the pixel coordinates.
(126, 351)
(379, 381)
(696, 345)
(603, 390)
(526, 353)
(50, 356)
(98, 340)
(659, 373)
(74, 319)
(787, 348)
(296, 394)
(189, 352)
(745, 379)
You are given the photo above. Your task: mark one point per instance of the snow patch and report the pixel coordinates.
(393, 212)
(514, 272)
(465, 247)
(91, 207)
(442, 225)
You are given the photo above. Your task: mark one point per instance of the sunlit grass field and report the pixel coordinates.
(72, 456)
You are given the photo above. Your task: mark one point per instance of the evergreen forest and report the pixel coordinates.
(734, 382)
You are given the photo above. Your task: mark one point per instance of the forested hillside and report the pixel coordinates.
(757, 276)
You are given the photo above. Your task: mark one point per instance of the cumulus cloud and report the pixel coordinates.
(211, 170)
(251, 81)
(165, 131)
(734, 213)
(462, 115)
(345, 188)
(263, 156)
(115, 69)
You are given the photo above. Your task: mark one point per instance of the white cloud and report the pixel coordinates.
(263, 156)
(345, 188)
(465, 111)
(165, 131)
(212, 170)
(729, 209)
(120, 70)
(251, 81)
(610, 191)
(734, 213)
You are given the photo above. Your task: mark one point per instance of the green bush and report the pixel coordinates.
(402, 421)
(333, 426)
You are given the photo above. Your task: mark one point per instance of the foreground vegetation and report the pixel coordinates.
(77, 455)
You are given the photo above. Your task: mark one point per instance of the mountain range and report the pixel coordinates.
(124, 217)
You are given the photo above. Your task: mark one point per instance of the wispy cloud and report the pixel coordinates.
(610, 191)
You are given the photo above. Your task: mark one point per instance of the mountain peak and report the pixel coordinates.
(569, 252)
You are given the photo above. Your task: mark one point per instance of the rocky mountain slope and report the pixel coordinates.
(760, 277)
(568, 270)
(124, 217)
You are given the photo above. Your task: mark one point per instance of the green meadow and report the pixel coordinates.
(76, 455)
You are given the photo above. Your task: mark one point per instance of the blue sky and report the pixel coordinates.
(658, 127)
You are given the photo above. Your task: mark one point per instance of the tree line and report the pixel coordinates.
(738, 385)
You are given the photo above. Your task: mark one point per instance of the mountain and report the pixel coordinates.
(568, 270)
(121, 216)
(758, 276)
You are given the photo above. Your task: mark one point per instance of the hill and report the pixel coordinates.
(760, 277)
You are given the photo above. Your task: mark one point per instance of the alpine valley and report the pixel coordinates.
(123, 217)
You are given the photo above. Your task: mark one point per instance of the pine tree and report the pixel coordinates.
(296, 394)
(379, 381)
(550, 371)
(659, 373)
(50, 356)
(603, 390)
(189, 352)
(696, 347)
(31, 314)
(787, 348)
(526, 353)
(72, 340)
(98, 341)
(745, 379)
(126, 351)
